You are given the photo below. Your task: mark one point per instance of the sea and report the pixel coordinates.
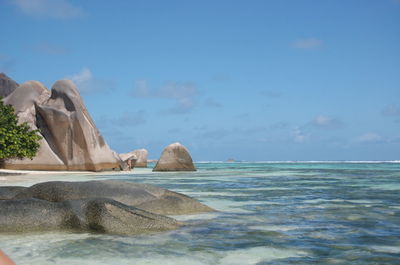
(267, 213)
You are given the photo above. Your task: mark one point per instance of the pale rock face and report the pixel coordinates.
(7, 85)
(129, 161)
(71, 140)
(175, 157)
(139, 155)
(24, 100)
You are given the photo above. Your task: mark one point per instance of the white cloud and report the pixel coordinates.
(86, 83)
(323, 121)
(299, 136)
(369, 137)
(48, 8)
(182, 93)
(307, 44)
(83, 79)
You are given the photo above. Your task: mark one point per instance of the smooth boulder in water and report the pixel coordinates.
(175, 157)
(146, 197)
(94, 215)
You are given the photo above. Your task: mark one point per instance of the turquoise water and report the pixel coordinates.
(269, 213)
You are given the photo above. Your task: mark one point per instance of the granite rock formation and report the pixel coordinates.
(8, 192)
(70, 139)
(129, 160)
(96, 215)
(140, 156)
(175, 157)
(143, 196)
(7, 85)
(108, 206)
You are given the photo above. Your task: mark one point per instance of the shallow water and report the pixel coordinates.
(269, 213)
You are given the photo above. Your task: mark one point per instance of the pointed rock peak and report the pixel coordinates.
(25, 95)
(65, 87)
(7, 85)
(65, 91)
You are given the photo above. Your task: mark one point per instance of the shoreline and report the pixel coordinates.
(11, 177)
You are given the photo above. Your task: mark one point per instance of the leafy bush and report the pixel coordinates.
(16, 141)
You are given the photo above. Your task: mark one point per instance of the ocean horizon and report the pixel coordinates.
(267, 213)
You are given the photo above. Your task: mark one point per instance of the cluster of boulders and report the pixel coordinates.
(115, 207)
(70, 138)
(71, 141)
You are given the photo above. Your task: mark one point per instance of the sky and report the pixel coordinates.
(254, 80)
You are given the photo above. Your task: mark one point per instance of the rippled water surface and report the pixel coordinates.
(269, 213)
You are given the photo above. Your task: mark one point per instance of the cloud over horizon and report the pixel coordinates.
(59, 9)
(370, 137)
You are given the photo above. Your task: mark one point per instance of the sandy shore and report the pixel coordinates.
(29, 177)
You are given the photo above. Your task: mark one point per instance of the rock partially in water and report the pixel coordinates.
(29, 215)
(175, 157)
(143, 196)
(96, 215)
(8, 192)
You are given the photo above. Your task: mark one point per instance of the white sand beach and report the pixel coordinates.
(10, 177)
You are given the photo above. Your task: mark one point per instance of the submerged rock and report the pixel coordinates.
(175, 157)
(70, 140)
(96, 215)
(143, 196)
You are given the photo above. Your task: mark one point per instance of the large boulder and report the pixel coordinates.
(25, 99)
(139, 156)
(97, 215)
(143, 196)
(8, 192)
(175, 157)
(71, 140)
(7, 85)
(129, 160)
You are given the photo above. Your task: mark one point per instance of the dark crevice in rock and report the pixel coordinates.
(46, 133)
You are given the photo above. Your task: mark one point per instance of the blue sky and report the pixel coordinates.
(250, 80)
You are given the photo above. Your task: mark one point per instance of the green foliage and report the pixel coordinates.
(16, 141)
